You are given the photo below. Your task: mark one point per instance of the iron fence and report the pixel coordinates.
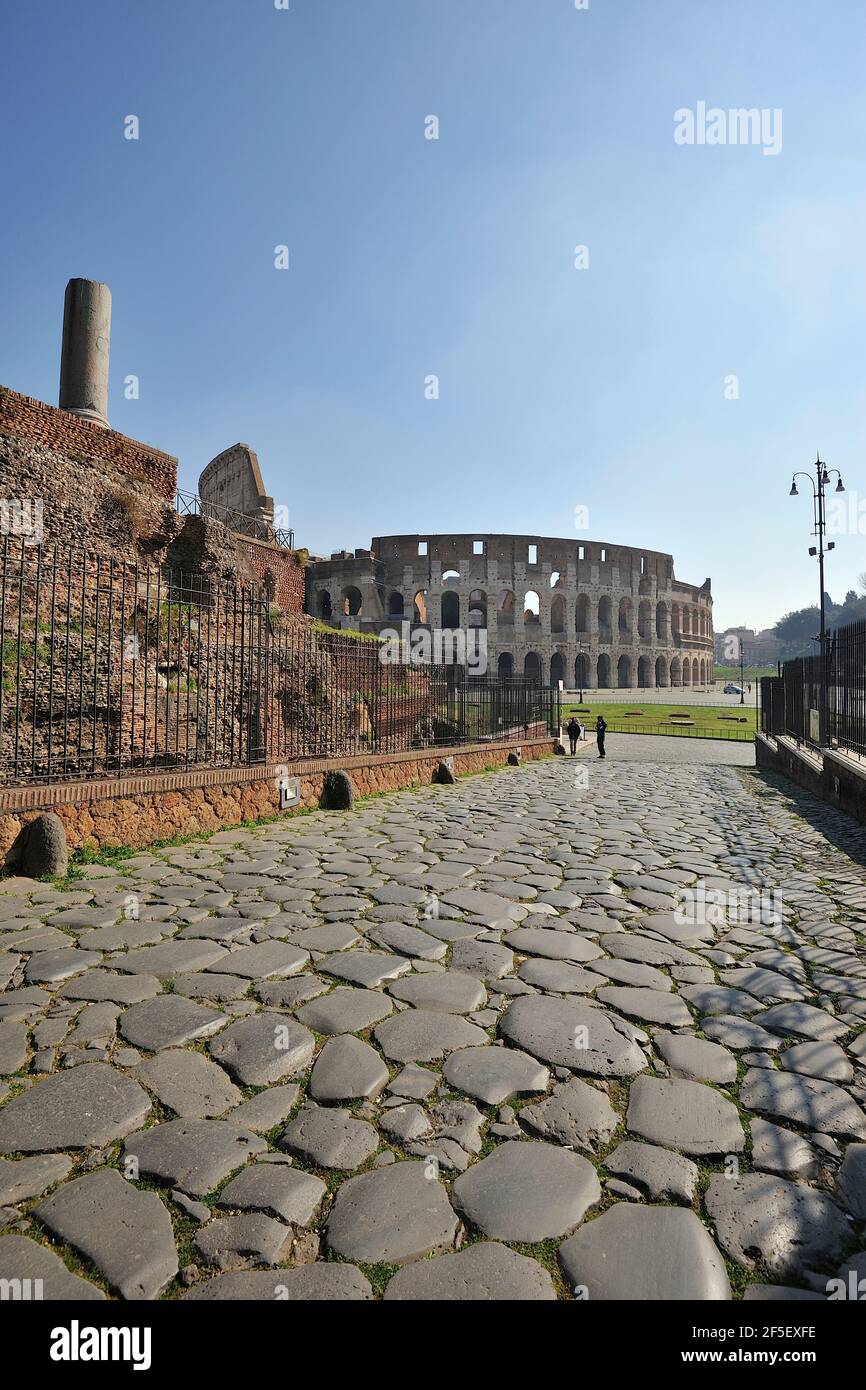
(109, 666)
(791, 701)
(189, 504)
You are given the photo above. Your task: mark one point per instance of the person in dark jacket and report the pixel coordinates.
(600, 731)
(572, 728)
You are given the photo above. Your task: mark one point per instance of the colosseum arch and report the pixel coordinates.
(661, 672)
(695, 671)
(623, 672)
(419, 607)
(676, 618)
(505, 666)
(624, 619)
(531, 608)
(581, 618)
(676, 671)
(645, 621)
(557, 614)
(581, 671)
(602, 670)
(395, 605)
(450, 579)
(505, 608)
(662, 622)
(323, 605)
(477, 608)
(450, 609)
(686, 675)
(645, 672)
(557, 668)
(604, 618)
(351, 602)
(532, 666)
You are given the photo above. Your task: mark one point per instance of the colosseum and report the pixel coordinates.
(586, 613)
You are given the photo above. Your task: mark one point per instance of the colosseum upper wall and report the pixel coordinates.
(589, 613)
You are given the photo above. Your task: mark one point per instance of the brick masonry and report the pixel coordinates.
(280, 570)
(24, 417)
(137, 811)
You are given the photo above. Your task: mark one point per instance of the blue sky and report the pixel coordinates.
(559, 388)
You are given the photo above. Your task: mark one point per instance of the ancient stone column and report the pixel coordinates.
(86, 347)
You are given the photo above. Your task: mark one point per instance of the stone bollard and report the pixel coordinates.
(445, 772)
(514, 758)
(45, 851)
(338, 793)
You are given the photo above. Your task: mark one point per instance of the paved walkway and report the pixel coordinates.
(675, 748)
(490, 1040)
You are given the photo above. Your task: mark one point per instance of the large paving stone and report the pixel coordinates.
(315, 1283)
(347, 1069)
(235, 1242)
(445, 991)
(345, 1010)
(804, 1021)
(168, 1021)
(329, 1138)
(576, 1114)
(264, 1048)
(267, 959)
(493, 1074)
(636, 1253)
(367, 968)
(49, 1279)
(276, 1189)
(527, 1191)
(488, 908)
(50, 967)
(558, 976)
(852, 1181)
(571, 1033)
(779, 1228)
(777, 1150)
(23, 1178)
(126, 1233)
(13, 1047)
(823, 1059)
(101, 985)
(662, 1175)
(486, 1272)
(684, 1115)
(552, 945)
(420, 1035)
(408, 941)
(392, 1215)
(194, 1155)
(488, 960)
(646, 1005)
(88, 1106)
(806, 1100)
(739, 1033)
(189, 1083)
(694, 1059)
(171, 958)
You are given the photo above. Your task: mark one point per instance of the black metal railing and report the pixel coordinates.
(110, 667)
(791, 702)
(189, 504)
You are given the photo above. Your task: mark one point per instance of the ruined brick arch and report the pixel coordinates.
(351, 602)
(557, 613)
(477, 613)
(531, 608)
(396, 604)
(505, 608)
(419, 607)
(450, 609)
(323, 606)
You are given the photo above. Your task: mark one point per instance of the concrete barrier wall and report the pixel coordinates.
(836, 777)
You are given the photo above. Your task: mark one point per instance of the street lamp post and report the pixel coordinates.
(580, 666)
(742, 676)
(819, 484)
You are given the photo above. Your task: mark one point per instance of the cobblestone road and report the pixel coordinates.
(492, 1040)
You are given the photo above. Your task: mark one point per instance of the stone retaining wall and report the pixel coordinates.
(836, 777)
(138, 810)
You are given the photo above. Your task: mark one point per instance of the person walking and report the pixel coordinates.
(573, 730)
(600, 731)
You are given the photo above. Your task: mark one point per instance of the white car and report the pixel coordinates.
(732, 689)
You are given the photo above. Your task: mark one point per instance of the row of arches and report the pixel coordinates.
(660, 620)
(603, 674)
